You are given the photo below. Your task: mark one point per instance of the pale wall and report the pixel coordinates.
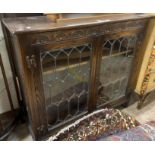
(4, 102)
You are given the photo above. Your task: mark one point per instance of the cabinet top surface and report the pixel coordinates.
(43, 23)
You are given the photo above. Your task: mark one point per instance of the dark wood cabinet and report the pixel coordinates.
(66, 70)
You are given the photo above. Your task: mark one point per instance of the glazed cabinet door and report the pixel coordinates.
(62, 76)
(65, 72)
(116, 56)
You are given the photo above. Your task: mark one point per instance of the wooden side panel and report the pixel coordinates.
(31, 87)
(145, 51)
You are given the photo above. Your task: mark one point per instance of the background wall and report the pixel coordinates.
(4, 102)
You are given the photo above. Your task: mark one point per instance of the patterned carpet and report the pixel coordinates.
(146, 114)
(101, 123)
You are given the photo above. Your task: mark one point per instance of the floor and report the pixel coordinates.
(21, 133)
(144, 115)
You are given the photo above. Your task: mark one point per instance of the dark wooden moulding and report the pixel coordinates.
(26, 37)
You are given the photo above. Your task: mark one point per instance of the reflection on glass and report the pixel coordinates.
(117, 55)
(65, 77)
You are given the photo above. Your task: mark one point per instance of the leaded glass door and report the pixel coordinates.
(65, 74)
(116, 57)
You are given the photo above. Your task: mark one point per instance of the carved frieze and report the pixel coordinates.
(61, 35)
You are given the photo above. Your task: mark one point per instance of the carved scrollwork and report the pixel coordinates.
(93, 30)
(78, 34)
(61, 35)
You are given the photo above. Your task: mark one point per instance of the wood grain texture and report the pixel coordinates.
(33, 35)
(77, 33)
(146, 51)
(42, 23)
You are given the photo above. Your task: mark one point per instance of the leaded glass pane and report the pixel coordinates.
(116, 60)
(65, 77)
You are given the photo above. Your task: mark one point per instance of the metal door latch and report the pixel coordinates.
(31, 61)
